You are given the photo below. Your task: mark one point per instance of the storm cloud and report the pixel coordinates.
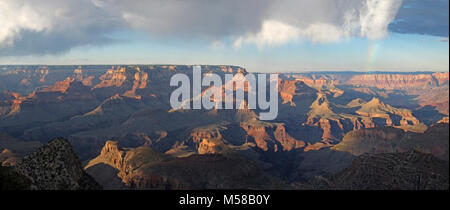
(427, 17)
(55, 26)
(52, 26)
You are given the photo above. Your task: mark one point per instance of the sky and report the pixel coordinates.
(259, 35)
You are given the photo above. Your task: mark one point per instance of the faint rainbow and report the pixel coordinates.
(372, 55)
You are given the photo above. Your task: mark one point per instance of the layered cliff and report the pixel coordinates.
(427, 88)
(400, 81)
(380, 80)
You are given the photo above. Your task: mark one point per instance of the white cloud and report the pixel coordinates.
(217, 44)
(16, 16)
(277, 33)
(323, 32)
(98, 3)
(368, 19)
(376, 16)
(53, 26)
(272, 33)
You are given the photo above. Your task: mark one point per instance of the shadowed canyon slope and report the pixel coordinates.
(121, 125)
(143, 168)
(434, 140)
(396, 171)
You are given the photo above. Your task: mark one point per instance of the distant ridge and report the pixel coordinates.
(365, 72)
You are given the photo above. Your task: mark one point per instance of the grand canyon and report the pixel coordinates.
(112, 127)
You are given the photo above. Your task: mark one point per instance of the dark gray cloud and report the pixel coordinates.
(40, 43)
(52, 27)
(32, 27)
(258, 20)
(192, 18)
(427, 17)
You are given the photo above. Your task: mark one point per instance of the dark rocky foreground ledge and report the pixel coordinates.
(54, 166)
(412, 170)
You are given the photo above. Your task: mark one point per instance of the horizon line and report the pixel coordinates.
(284, 72)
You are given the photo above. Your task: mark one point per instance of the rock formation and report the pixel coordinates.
(381, 140)
(55, 166)
(143, 168)
(411, 170)
(324, 120)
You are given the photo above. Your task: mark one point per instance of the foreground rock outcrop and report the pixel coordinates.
(11, 180)
(411, 170)
(143, 168)
(435, 141)
(55, 166)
